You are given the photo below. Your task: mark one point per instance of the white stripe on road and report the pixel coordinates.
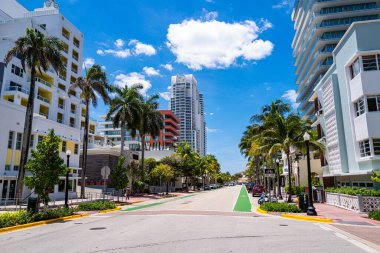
(356, 243)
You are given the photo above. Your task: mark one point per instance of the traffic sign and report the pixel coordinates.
(105, 172)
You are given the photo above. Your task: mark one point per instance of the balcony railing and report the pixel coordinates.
(16, 88)
(66, 36)
(40, 80)
(46, 100)
(60, 121)
(74, 70)
(76, 44)
(62, 77)
(72, 111)
(60, 106)
(75, 57)
(44, 114)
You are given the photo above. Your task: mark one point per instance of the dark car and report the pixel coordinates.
(207, 187)
(257, 190)
(249, 186)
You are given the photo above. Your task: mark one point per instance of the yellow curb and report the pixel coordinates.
(138, 201)
(40, 223)
(110, 210)
(304, 218)
(259, 210)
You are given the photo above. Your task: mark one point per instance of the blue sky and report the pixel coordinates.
(239, 51)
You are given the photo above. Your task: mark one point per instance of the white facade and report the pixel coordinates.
(188, 105)
(53, 108)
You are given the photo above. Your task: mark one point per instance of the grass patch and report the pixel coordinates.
(96, 205)
(375, 215)
(280, 207)
(243, 204)
(23, 217)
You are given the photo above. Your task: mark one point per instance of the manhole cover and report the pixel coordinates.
(100, 228)
(283, 225)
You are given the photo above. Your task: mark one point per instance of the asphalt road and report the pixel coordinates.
(204, 222)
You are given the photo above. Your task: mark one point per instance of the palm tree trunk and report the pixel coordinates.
(122, 130)
(290, 178)
(257, 170)
(85, 146)
(167, 188)
(26, 135)
(142, 154)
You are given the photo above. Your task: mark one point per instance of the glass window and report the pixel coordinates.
(361, 184)
(10, 139)
(370, 185)
(17, 71)
(355, 68)
(64, 146)
(18, 141)
(15, 168)
(365, 149)
(7, 167)
(31, 141)
(376, 146)
(355, 184)
(372, 104)
(369, 62)
(360, 107)
(61, 185)
(76, 147)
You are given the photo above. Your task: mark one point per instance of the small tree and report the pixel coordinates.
(120, 176)
(46, 167)
(165, 173)
(375, 177)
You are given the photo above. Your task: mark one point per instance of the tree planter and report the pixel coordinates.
(353, 203)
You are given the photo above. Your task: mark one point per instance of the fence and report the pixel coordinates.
(353, 203)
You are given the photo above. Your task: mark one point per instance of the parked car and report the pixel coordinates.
(207, 187)
(257, 190)
(249, 186)
(231, 184)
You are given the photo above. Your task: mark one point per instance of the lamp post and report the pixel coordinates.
(279, 195)
(68, 154)
(310, 209)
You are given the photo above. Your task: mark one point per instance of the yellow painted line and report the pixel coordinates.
(306, 218)
(40, 223)
(259, 210)
(110, 210)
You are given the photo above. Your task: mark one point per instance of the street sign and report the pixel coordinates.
(269, 173)
(105, 172)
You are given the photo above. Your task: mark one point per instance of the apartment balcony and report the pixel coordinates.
(366, 126)
(44, 114)
(63, 77)
(61, 106)
(14, 89)
(73, 111)
(365, 83)
(44, 82)
(75, 57)
(60, 121)
(43, 99)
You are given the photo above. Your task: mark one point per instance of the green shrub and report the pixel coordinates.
(354, 191)
(97, 205)
(14, 218)
(374, 215)
(23, 217)
(296, 190)
(280, 207)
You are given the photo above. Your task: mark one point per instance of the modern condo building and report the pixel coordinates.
(188, 105)
(320, 25)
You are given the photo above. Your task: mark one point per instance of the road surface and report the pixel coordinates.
(203, 222)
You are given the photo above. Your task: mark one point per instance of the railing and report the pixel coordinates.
(60, 121)
(16, 88)
(40, 80)
(74, 70)
(60, 106)
(76, 44)
(72, 111)
(62, 77)
(44, 114)
(46, 100)
(75, 57)
(66, 36)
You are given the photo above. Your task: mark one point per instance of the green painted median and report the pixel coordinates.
(243, 204)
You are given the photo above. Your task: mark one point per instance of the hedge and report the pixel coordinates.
(96, 205)
(23, 217)
(280, 207)
(296, 190)
(374, 215)
(354, 191)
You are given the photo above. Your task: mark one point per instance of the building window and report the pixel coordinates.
(64, 146)
(40, 138)
(369, 62)
(376, 146)
(365, 149)
(17, 71)
(360, 107)
(10, 139)
(18, 141)
(76, 148)
(61, 185)
(15, 168)
(7, 167)
(31, 141)
(355, 68)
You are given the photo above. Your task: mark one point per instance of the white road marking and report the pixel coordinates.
(356, 243)
(323, 227)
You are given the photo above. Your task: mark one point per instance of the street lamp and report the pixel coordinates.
(68, 154)
(310, 209)
(279, 196)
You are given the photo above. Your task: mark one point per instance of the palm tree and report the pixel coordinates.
(150, 122)
(37, 53)
(125, 110)
(94, 84)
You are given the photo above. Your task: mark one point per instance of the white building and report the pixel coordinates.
(53, 108)
(188, 105)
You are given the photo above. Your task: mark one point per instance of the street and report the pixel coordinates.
(200, 222)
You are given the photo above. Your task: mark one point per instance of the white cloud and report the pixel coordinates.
(165, 95)
(130, 79)
(119, 43)
(211, 130)
(210, 15)
(168, 67)
(120, 53)
(284, 4)
(149, 71)
(211, 114)
(88, 62)
(141, 48)
(291, 96)
(214, 44)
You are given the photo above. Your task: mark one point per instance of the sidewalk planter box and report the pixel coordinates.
(353, 203)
